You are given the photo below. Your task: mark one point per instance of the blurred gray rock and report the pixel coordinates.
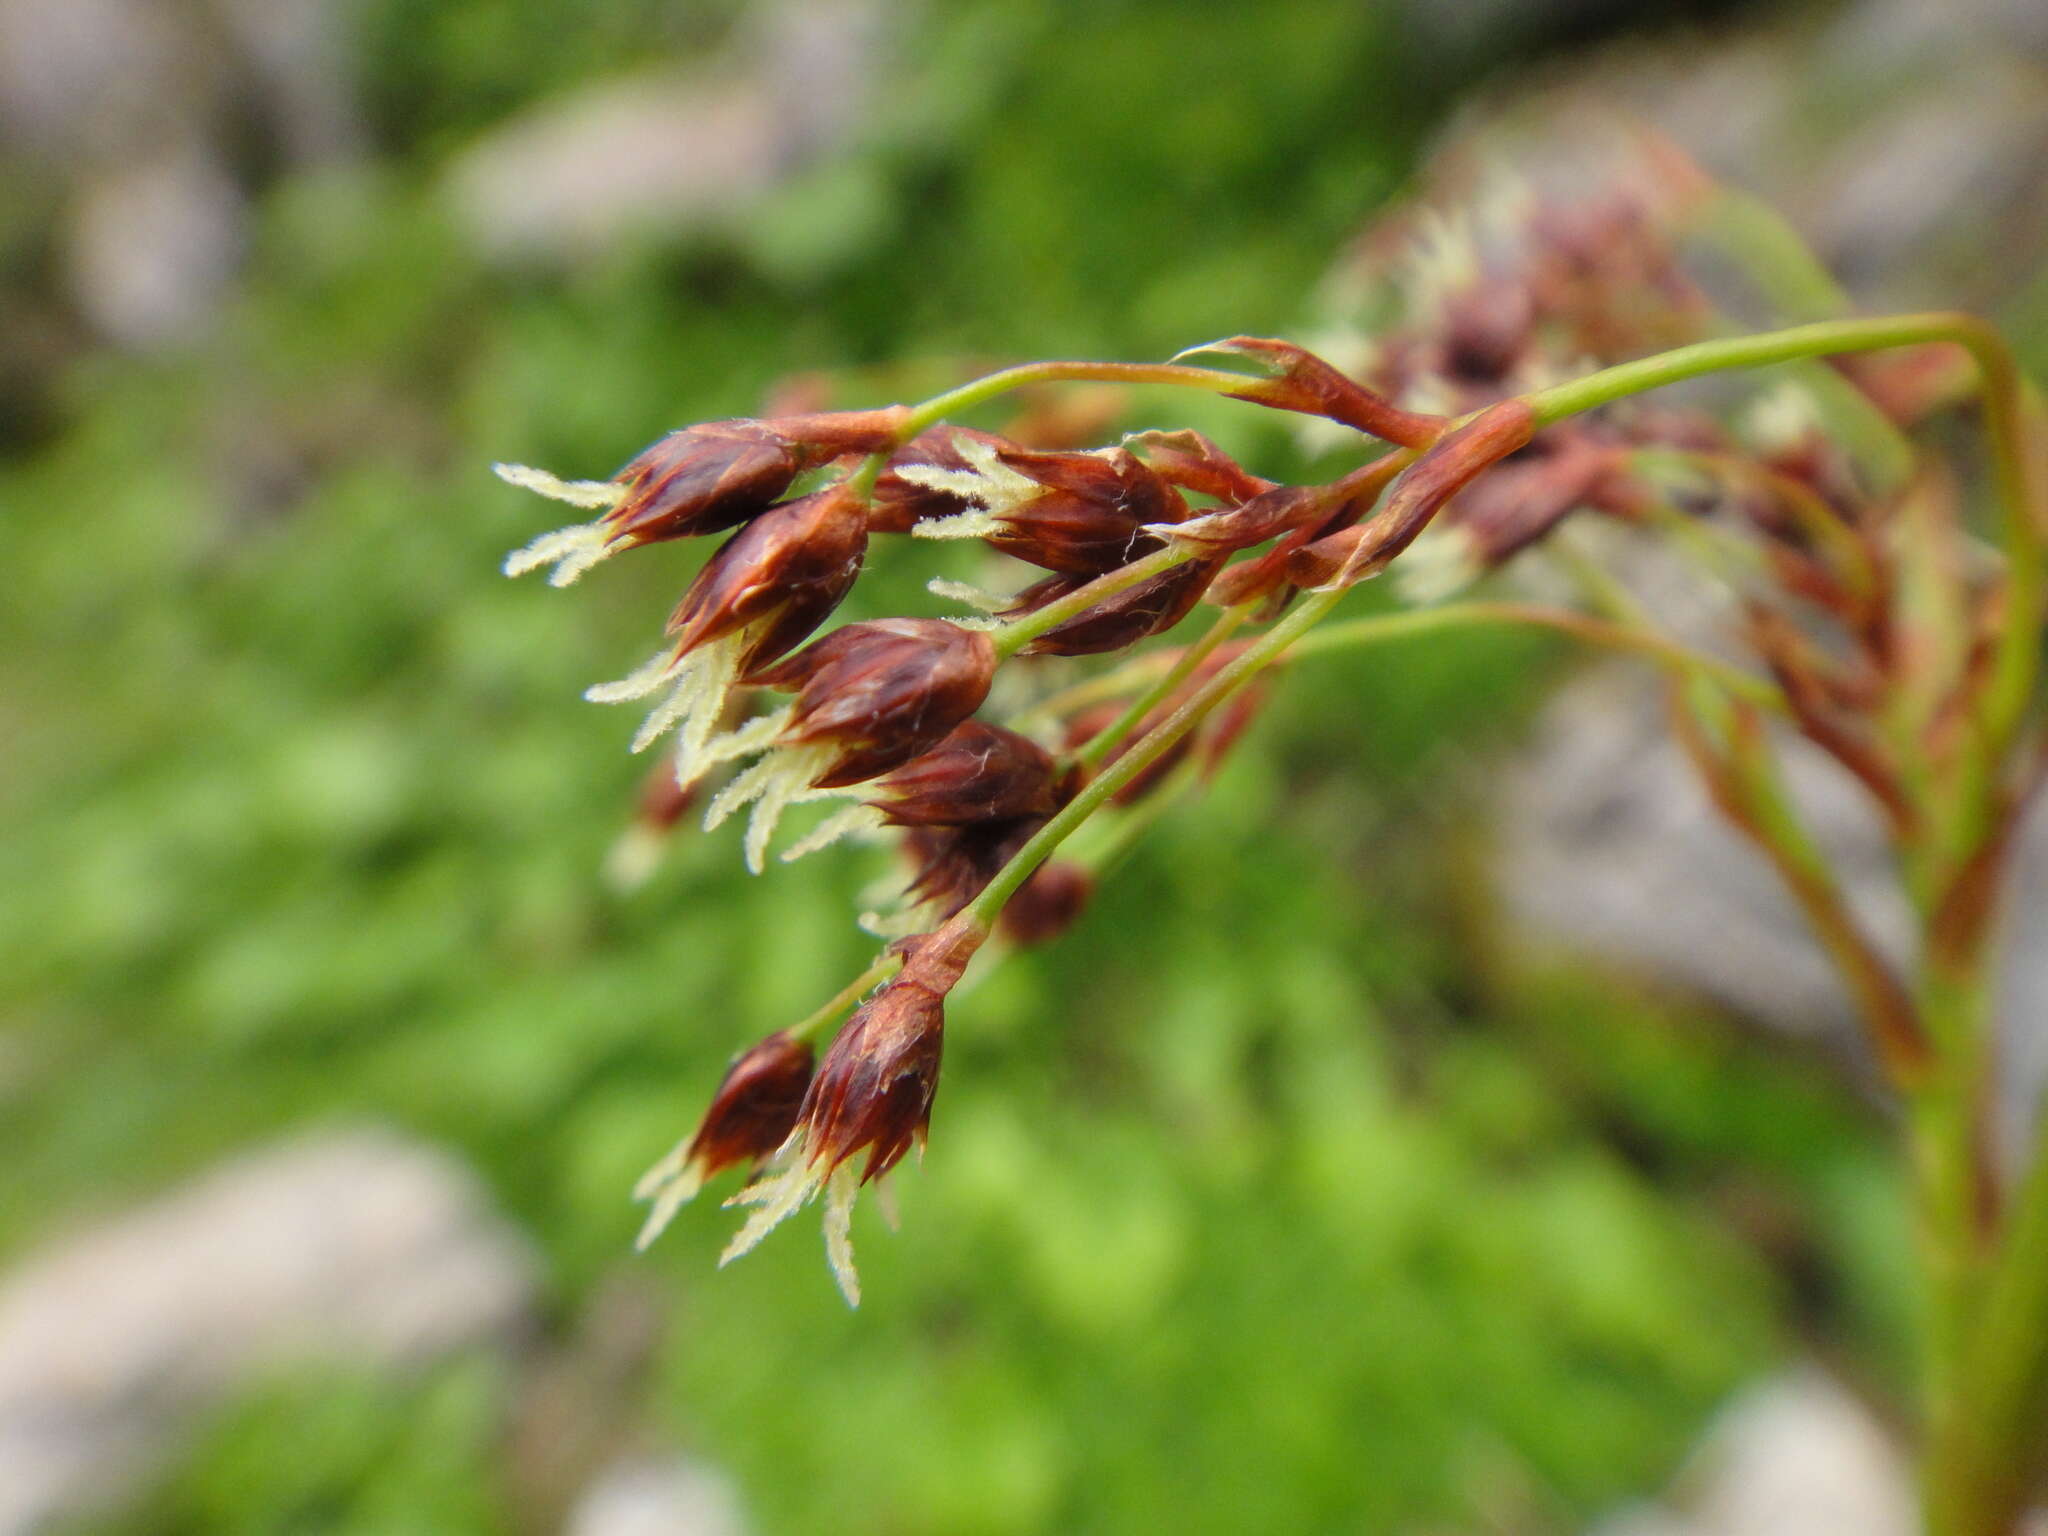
(357, 1246)
(1796, 1456)
(1608, 847)
(137, 112)
(647, 1497)
(673, 149)
(152, 243)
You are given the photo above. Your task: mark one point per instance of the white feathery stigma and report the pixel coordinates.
(572, 550)
(774, 1196)
(698, 683)
(968, 595)
(671, 1184)
(992, 486)
(840, 1189)
(771, 785)
(849, 821)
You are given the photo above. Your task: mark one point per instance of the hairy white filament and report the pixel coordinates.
(572, 550)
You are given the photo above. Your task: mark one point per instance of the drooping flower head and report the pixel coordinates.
(872, 1094)
(767, 588)
(700, 479)
(1078, 513)
(751, 1114)
(869, 698)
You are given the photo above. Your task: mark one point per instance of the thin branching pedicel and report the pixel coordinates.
(1513, 327)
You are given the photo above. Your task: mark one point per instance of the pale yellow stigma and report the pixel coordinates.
(572, 550)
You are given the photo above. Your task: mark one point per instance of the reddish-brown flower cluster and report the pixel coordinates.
(1123, 542)
(881, 713)
(872, 1093)
(751, 1116)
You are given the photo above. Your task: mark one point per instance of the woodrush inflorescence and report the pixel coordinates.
(1493, 339)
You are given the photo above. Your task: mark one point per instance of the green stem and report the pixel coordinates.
(1012, 637)
(886, 964)
(1972, 1485)
(1982, 1465)
(1240, 670)
(939, 407)
(1103, 742)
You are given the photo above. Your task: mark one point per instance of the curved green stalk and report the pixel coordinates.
(1215, 381)
(885, 965)
(1103, 742)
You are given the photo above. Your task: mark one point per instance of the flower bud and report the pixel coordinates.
(1149, 608)
(1077, 513)
(751, 1114)
(874, 1089)
(978, 773)
(951, 865)
(882, 692)
(779, 577)
(764, 591)
(696, 480)
(706, 478)
(702, 479)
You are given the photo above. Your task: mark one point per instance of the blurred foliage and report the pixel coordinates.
(1266, 1201)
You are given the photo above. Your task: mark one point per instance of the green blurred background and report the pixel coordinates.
(1279, 1196)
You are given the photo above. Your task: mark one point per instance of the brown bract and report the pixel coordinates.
(1282, 509)
(1149, 608)
(882, 692)
(1188, 459)
(755, 1107)
(874, 1089)
(785, 572)
(978, 773)
(719, 474)
(1353, 554)
(1298, 380)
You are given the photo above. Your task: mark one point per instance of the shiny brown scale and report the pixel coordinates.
(785, 572)
(978, 773)
(881, 693)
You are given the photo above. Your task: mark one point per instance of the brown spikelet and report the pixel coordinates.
(882, 692)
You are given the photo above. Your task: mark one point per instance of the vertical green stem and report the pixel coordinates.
(1943, 1129)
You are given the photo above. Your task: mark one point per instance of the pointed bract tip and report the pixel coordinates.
(1243, 349)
